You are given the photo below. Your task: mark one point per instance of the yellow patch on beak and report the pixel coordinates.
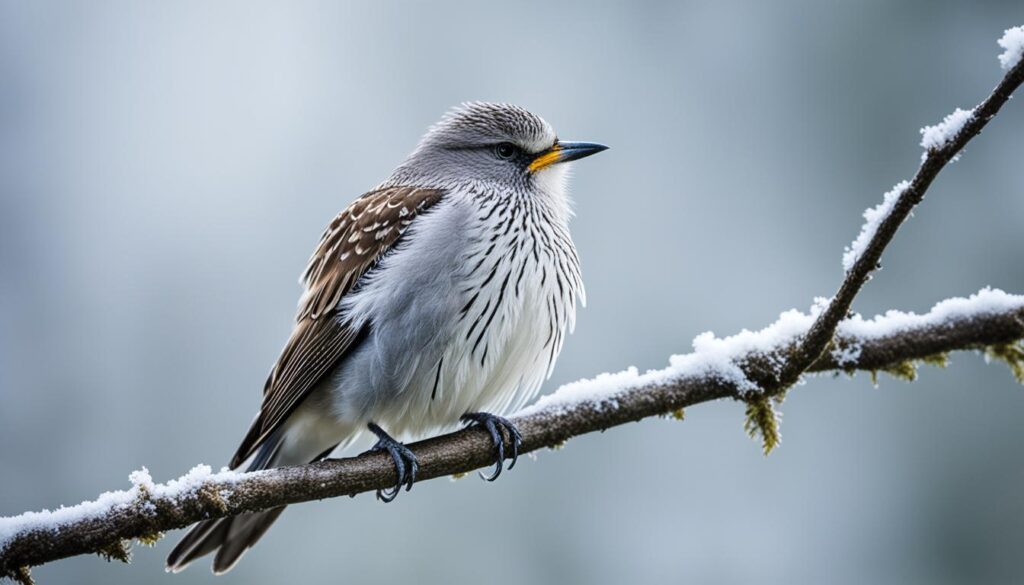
(546, 158)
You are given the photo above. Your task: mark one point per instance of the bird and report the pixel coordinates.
(441, 297)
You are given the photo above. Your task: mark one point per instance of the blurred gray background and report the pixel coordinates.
(166, 168)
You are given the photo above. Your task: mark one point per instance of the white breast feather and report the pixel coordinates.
(501, 350)
(499, 366)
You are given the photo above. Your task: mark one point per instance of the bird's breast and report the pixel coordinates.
(468, 314)
(517, 285)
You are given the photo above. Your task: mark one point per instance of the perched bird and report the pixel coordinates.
(442, 295)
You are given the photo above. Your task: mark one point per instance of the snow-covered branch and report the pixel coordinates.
(991, 321)
(943, 143)
(756, 367)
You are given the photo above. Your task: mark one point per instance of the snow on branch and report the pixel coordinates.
(873, 217)
(942, 143)
(756, 367)
(941, 134)
(729, 360)
(1013, 45)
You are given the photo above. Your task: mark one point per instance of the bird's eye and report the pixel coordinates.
(505, 150)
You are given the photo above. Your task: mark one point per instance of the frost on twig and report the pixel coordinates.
(943, 133)
(873, 217)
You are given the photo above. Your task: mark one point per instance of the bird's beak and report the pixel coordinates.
(564, 152)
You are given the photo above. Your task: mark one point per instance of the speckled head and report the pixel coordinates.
(489, 144)
(484, 123)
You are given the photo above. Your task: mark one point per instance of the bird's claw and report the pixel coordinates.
(497, 426)
(404, 460)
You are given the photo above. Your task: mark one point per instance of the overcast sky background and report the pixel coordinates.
(166, 168)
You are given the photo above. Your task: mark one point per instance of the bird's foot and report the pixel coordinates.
(405, 462)
(497, 427)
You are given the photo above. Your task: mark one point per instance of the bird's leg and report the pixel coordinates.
(401, 455)
(497, 426)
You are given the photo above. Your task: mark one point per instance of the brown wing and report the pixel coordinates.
(351, 244)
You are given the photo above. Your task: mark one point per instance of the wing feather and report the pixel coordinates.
(350, 246)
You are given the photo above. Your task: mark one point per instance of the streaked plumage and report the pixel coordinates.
(446, 290)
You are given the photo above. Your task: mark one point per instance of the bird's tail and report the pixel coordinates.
(232, 537)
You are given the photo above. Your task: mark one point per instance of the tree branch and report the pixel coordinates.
(147, 510)
(753, 366)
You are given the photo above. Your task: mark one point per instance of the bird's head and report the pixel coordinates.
(496, 145)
